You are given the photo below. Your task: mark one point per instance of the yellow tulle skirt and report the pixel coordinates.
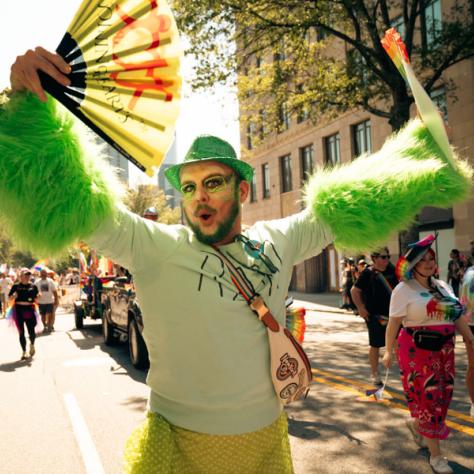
(157, 447)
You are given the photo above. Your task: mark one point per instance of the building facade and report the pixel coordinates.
(283, 161)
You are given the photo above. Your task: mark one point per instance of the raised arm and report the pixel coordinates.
(54, 190)
(375, 195)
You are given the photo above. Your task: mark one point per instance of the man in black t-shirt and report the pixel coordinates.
(371, 294)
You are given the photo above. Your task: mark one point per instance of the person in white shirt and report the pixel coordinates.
(430, 314)
(48, 299)
(5, 285)
(467, 298)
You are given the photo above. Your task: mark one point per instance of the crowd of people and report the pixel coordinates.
(410, 311)
(29, 298)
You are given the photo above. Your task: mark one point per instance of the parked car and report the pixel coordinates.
(89, 303)
(122, 320)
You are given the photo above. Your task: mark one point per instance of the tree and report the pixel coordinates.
(147, 195)
(307, 77)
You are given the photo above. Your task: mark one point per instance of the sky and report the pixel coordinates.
(32, 23)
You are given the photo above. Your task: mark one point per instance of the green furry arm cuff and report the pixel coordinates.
(52, 192)
(372, 197)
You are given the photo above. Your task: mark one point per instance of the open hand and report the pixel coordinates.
(24, 71)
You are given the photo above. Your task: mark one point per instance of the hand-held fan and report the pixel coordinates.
(295, 323)
(125, 82)
(428, 111)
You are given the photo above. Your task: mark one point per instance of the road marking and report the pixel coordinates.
(87, 362)
(89, 453)
(453, 413)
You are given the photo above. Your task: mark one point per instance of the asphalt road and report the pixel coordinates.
(71, 408)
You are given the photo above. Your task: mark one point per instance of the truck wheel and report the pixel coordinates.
(137, 347)
(107, 330)
(79, 317)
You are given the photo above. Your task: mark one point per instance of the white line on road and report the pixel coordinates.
(89, 453)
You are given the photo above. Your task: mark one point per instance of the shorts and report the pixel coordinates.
(376, 331)
(157, 446)
(46, 309)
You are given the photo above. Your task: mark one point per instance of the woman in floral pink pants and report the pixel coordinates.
(421, 302)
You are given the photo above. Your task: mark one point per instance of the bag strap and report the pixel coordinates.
(252, 298)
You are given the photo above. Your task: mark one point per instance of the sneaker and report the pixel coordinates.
(417, 437)
(24, 355)
(472, 410)
(440, 465)
(32, 350)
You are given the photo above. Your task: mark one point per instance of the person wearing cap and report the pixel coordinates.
(466, 295)
(48, 299)
(24, 295)
(423, 303)
(212, 405)
(371, 294)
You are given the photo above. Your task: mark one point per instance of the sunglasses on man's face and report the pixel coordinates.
(213, 184)
(383, 257)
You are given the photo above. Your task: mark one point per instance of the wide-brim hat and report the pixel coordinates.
(25, 271)
(415, 252)
(210, 148)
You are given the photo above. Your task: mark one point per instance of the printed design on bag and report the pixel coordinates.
(288, 367)
(303, 387)
(288, 391)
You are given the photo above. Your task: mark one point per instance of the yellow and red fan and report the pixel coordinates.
(125, 79)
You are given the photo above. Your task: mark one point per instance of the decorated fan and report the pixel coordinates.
(295, 322)
(428, 111)
(125, 82)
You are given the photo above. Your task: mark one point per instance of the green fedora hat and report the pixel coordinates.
(210, 148)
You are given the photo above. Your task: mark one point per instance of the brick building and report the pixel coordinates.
(283, 159)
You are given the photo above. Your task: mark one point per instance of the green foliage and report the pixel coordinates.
(145, 196)
(322, 57)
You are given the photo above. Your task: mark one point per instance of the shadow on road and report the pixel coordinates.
(92, 338)
(12, 366)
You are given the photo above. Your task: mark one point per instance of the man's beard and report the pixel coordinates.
(223, 229)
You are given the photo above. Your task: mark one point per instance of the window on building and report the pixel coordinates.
(438, 96)
(286, 178)
(399, 25)
(361, 138)
(283, 118)
(303, 111)
(250, 135)
(263, 124)
(332, 145)
(307, 161)
(357, 65)
(431, 18)
(253, 188)
(280, 54)
(266, 180)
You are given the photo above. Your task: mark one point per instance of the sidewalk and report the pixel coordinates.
(327, 302)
